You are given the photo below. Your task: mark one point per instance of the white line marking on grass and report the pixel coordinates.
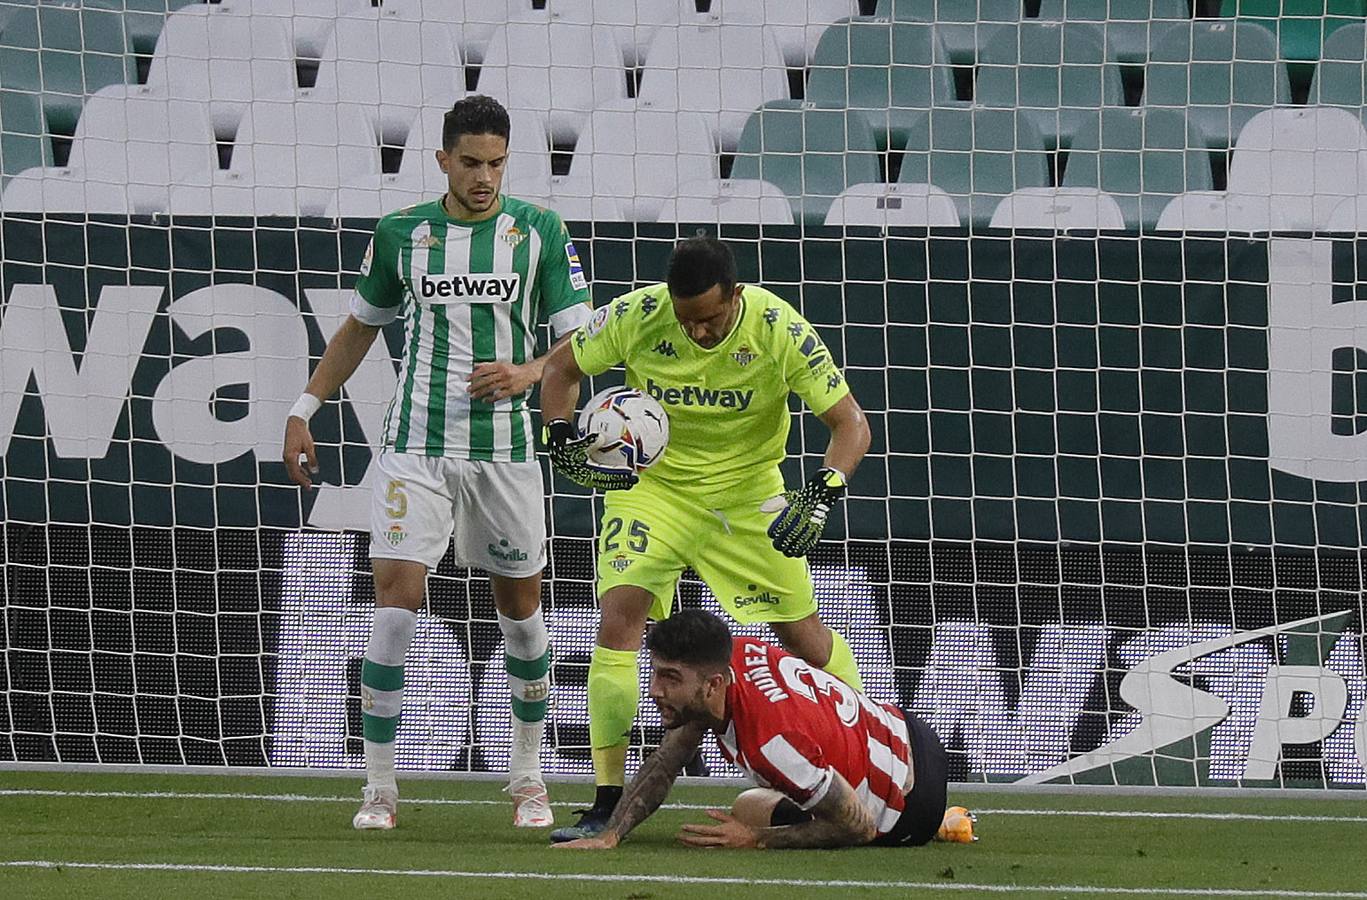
(684, 879)
(440, 801)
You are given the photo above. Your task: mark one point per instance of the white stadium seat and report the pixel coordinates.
(311, 20)
(634, 21)
(639, 157)
(725, 73)
(128, 149)
(795, 24)
(559, 69)
(884, 205)
(224, 59)
(728, 201)
(476, 20)
(1059, 209)
(291, 157)
(392, 66)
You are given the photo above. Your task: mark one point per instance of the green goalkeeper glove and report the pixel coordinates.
(570, 457)
(798, 527)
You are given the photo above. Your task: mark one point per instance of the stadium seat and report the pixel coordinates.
(639, 157)
(963, 25)
(1142, 158)
(1058, 74)
(127, 151)
(728, 202)
(882, 69)
(1349, 216)
(1301, 26)
(635, 22)
(977, 156)
(291, 156)
(723, 74)
(474, 21)
(142, 19)
(1129, 27)
(893, 205)
(811, 153)
(1341, 73)
(1225, 72)
(64, 52)
(23, 135)
(560, 70)
(1059, 209)
(392, 66)
(311, 21)
(795, 24)
(224, 60)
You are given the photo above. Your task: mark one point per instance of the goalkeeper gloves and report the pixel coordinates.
(570, 457)
(798, 527)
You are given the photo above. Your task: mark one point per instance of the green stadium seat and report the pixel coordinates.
(964, 25)
(1141, 158)
(811, 153)
(1057, 73)
(1129, 26)
(1225, 72)
(1341, 74)
(23, 138)
(1301, 26)
(142, 19)
(882, 69)
(977, 156)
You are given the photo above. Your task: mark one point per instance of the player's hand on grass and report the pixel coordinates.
(492, 381)
(608, 840)
(570, 458)
(299, 442)
(798, 527)
(731, 832)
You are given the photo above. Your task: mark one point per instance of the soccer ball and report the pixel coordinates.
(634, 427)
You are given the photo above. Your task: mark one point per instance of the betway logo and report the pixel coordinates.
(501, 288)
(690, 395)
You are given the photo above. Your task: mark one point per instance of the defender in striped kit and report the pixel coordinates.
(473, 272)
(835, 768)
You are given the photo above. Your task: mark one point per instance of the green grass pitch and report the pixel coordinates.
(207, 837)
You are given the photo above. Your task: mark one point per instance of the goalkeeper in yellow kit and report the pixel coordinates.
(721, 358)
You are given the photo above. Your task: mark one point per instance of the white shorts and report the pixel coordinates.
(496, 510)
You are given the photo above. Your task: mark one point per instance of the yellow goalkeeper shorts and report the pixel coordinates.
(648, 535)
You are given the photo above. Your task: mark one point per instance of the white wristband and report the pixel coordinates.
(306, 406)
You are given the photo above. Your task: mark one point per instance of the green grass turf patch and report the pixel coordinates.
(1025, 850)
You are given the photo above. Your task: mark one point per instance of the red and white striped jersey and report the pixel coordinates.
(790, 726)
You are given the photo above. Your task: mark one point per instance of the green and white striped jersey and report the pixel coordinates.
(473, 292)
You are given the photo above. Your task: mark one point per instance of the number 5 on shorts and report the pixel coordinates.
(396, 501)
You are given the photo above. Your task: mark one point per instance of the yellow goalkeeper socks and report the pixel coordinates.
(841, 664)
(614, 693)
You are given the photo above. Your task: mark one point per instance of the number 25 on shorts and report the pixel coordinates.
(638, 535)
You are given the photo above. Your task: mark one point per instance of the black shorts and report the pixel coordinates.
(925, 803)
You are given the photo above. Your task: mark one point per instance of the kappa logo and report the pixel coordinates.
(744, 356)
(665, 348)
(1178, 715)
(483, 288)
(428, 242)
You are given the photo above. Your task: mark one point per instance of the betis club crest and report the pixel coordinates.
(744, 356)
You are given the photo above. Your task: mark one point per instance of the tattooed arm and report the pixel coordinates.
(838, 820)
(648, 789)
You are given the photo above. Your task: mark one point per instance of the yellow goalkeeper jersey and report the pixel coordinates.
(728, 404)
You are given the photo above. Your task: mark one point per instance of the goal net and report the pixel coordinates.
(1110, 528)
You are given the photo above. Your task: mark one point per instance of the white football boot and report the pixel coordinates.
(531, 803)
(377, 810)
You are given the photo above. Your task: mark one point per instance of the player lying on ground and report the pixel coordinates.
(837, 768)
(473, 271)
(722, 358)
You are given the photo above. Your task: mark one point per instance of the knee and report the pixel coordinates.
(755, 807)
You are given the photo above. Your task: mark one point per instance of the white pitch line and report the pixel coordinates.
(688, 879)
(439, 801)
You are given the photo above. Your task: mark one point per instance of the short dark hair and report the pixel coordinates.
(476, 114)
(697, 264)
(692, 637)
